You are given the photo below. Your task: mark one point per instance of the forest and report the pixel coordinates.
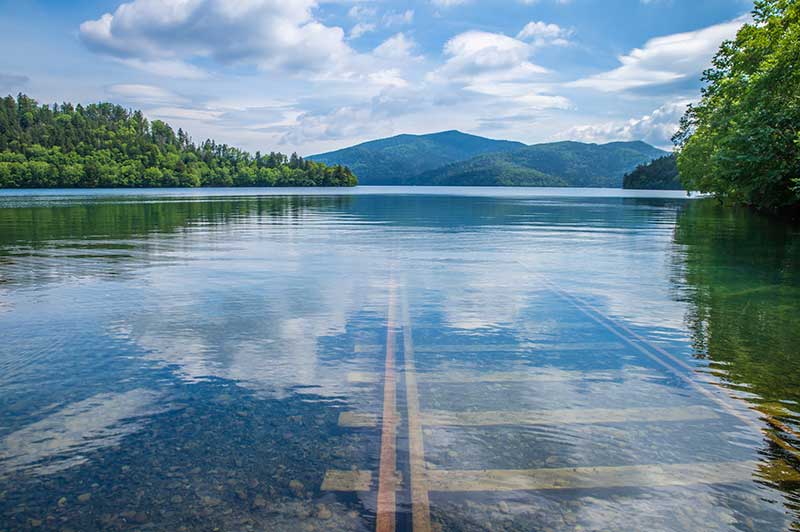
(741, 141)
(659, 174)
(106, 145)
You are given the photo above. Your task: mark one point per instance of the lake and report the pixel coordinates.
(396, 358)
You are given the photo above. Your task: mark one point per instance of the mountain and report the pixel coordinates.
(393, 161)
(555, 164)
(659, 174)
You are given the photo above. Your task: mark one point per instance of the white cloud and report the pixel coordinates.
(497, 67)
(664, 59)
(656, 128)
(448, 3)
(388, 78)
(268, 33)
(360, 29)
(541, 33)
(144, 94)
(361, 12)
(398, 18)
(397, 47)
(483, 56)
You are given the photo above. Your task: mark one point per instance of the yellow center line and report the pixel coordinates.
(387, 474)
(420, 503)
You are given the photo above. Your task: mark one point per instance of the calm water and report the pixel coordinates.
(455, 360)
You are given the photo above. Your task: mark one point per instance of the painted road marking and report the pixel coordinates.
(644, 476)
(566, 416)
(420, 503)
(387, 474)
(362, 377)
(636, 476)
(347, 481)
(357, 420)
(527, 374)
(541, 346)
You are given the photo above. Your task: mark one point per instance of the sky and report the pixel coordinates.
(315, 75)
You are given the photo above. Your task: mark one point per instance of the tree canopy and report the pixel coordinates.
(658, 174)
(105, 145)
(741, 142)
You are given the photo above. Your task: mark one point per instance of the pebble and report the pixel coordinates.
(62, 502)
(323, 512)
(259, 502)
(296, 486)
(85, 497)
(504, 507)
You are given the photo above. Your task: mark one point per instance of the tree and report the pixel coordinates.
(105, 145)
(741, 142)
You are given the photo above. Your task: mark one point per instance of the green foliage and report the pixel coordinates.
(742, 141)
(557, 164)
(660, 174)
(105, 145)
(394, 161)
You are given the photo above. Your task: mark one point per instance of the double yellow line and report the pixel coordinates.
(388, 475)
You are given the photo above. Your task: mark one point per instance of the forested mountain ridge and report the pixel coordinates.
(659, 174)
(554, 164)
(394, 160)
(105, 145)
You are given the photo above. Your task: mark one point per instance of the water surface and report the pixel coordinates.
(485, 359)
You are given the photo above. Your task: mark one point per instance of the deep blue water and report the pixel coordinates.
(486, 359)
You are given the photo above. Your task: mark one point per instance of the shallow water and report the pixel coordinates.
(436, 359)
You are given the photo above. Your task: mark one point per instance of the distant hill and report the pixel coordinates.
(555, 164)
(393, 161)
(659, 174)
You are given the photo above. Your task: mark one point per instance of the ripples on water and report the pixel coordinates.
(563, 359)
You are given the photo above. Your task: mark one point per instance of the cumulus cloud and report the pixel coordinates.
(663, 60)
(268, 33)
(541, 33)
(496, 65)
(479, 55)
(397, 47)
(656, 128)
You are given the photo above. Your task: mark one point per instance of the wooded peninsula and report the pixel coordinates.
(106, 145)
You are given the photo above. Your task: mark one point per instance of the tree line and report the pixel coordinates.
(658, 174)
(106, 145)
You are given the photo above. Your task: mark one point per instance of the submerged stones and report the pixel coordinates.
(297, 487)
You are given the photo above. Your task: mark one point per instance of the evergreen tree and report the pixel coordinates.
(105, 145)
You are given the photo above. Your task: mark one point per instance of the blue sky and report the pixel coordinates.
(310, 76)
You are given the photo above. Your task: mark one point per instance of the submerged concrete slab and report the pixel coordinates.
(357, 420)
(645, 476)
(567, 416)
(347, 480)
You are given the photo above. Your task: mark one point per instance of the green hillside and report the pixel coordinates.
(105, 145)
(659, 174)
(394, 160)
(556, 164)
